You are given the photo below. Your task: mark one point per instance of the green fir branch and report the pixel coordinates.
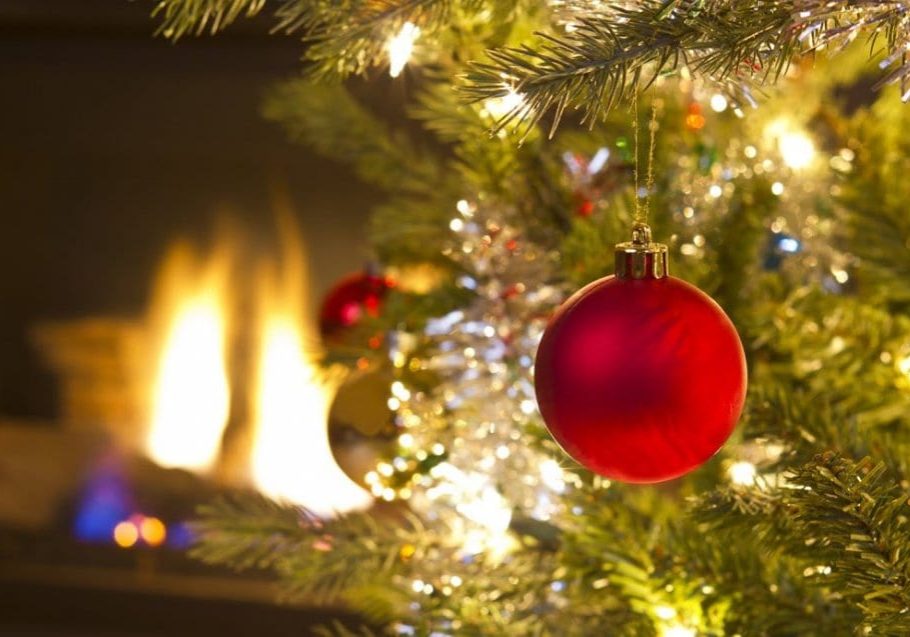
(611, 53)
(250, 531)
(843, 523)
(332, 122)
(195, 17)
(311, 556)
(873, 211)
(856, 520)
(350, 37)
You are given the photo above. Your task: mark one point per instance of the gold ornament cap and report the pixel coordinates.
(641, 258)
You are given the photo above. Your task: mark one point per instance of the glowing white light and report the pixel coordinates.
(797, 150)
(718, 103)
(677, 630)
(665, 612)
(552, 476)
(903, 366)
(498, 107)
(715, 191)
(401, 46)
(400, 391)
(599, 160)
(795, 146)
(777, 188)
(742, 472)
(490, 510)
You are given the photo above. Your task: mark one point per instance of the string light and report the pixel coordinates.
(499, 107)
(677, 630)
(401, 46)
(742, 472)
(903, 366)
(153, 531)
(718, 103)
(797, 150)
(665, 612)
(126, 534)
(795, 146)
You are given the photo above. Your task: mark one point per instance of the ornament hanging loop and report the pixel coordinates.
(641, 258)
(641, 234)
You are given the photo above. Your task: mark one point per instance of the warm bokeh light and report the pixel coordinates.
(797, 150)
(291, 456)
(191, 396)
(742, 472)
(677, 630)
(796, 147)
(153, 531)
(903, 366)
(718, 103)
(126, 534)
(499, 107)
(401, 46)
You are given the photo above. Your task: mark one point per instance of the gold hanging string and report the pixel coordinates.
(638, 215)
(652, 127)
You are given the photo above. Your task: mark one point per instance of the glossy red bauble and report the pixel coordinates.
(640, 380)
(350, 301)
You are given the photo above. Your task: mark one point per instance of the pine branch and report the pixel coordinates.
(755, 590)
(250, 531)
(195, 17)
(329, 119)
(856, 519)
(611, 53)
(846, 524)
(873, 214)
(313, 557)
(351, 36)
(327, 573)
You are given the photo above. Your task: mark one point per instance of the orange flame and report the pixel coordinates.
(191, 397)
(291, 457)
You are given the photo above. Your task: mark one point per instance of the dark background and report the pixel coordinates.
(113, 143)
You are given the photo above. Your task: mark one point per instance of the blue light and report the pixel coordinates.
(788, 244)
(180, 536)
(106, 500)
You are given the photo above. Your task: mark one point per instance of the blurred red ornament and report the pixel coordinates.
(640, 376)
(585, 207)
(353, 299)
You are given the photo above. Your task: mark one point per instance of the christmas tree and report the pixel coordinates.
(762, 141)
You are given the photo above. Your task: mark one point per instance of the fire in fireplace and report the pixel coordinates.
(223, 328)
(220, 381)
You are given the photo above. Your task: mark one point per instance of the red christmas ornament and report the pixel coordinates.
(352, 299)
(640, 376)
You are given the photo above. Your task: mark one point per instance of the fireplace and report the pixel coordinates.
(216, 387)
